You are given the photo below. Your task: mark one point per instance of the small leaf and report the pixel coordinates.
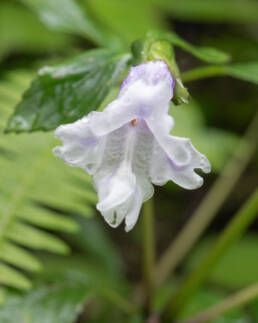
(244, 71)
(59, 303)
(207, 54)
(29, 236)
(17, 256)
(11, 277)
(65, 93)
(43, 218)
(67, 16)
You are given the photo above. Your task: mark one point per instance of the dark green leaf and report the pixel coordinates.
(67, 16)
(68, 91)
(59, 303)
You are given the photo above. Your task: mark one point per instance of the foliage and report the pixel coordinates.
(33, 196)
(82, 83)
(66, 16)
(63, 301)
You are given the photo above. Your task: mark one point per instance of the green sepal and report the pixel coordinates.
(150, 48)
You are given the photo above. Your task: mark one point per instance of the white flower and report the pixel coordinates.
(127, 147)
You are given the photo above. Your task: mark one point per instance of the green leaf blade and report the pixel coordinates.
(206, 54)
(17, 256)
(244, 71)
(39, 179)
(67, 16)
(57, 303)
(41, 217)
(69, 91)
(13, 278)
(29, 236)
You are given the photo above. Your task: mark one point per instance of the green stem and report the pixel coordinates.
(234, 301)
(209, 206)
(148, 239)
(230, 235)
(203, 72)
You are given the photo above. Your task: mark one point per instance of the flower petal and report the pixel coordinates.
(81, 148)
(134, 210)
(147, 90)
(181, 172)
(115, 189)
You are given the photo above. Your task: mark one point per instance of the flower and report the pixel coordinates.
(127, 147)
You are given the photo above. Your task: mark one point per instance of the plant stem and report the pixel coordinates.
(203, 72)
(233, 301)
(210, 205)
(148, 239)
(230, 235)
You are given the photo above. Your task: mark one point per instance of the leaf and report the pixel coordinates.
(245, 271)
(244, 71)
(106, 285)
(56, 303)
(212, 10)
(65, 93)
(19, 257)
(207, 54)
(34, 178)
(23, 35)
(11, 277)
(67, 16)
(31, 237)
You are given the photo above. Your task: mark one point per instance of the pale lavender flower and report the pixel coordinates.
(127, 147)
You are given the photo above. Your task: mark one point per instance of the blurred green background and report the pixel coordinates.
(44, 203)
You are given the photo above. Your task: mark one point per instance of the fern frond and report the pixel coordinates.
(37, 191)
